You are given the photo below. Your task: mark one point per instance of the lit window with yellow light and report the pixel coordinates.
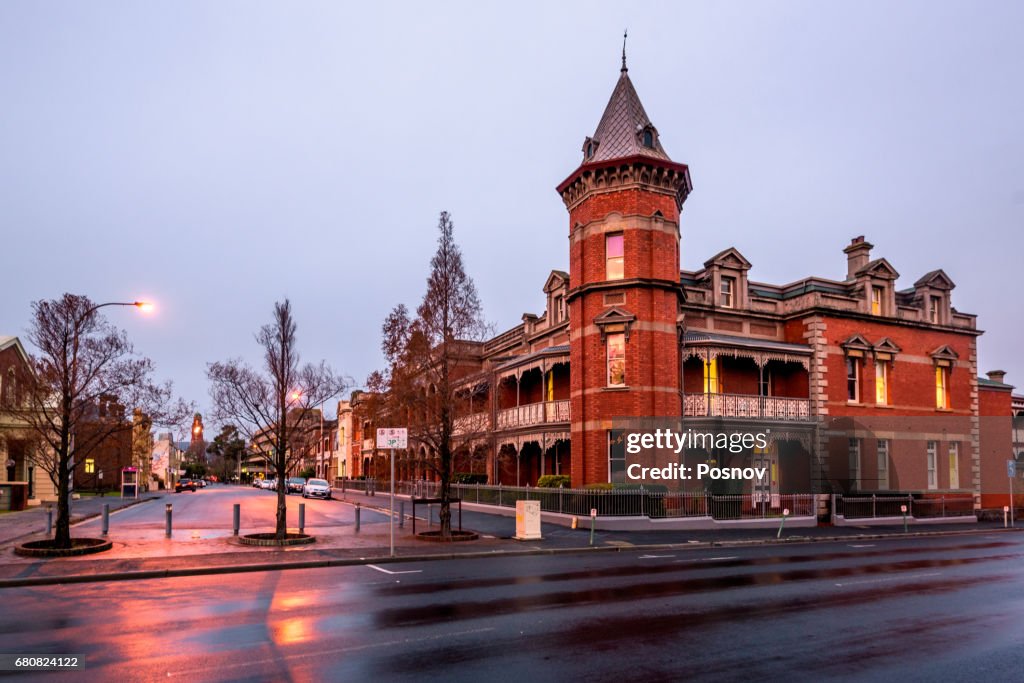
(90, 466)
(942, 387)
(711, 377)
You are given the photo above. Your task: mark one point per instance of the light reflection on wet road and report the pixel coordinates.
(947, 608)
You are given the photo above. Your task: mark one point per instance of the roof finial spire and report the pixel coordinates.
(625, 34)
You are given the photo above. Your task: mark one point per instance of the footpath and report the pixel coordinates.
(24, 523)
(188, 554)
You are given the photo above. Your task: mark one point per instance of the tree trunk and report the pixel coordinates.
(281, 528)
(62, 532)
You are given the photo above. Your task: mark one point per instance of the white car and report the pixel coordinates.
(316, 488)
(269, 484)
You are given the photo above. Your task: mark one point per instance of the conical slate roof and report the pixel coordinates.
(620, 132)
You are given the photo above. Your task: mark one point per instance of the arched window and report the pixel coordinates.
(648, 137)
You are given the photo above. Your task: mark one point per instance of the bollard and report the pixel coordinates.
(49, 521)
(401, 514)
(593, 523)
(237, 518)
(167, 519)
(357, 516)
(785, 513)
(903, 509)
(106, 518)
(302, 518)
(1006, 518)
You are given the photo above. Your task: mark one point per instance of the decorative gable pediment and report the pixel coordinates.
(730, 258)
(944, 356)
(556, 280)
(857, 346)
(879, 268)
(936, 279)
(615, 319)
(886, 349)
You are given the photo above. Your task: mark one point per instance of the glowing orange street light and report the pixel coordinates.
(296, 395)
(144, 306)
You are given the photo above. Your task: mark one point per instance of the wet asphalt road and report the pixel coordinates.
(947, 608)
(207, 513)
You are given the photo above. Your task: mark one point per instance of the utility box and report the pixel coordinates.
(527, 520)
(13, 495)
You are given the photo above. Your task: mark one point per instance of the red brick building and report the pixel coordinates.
(865, 385)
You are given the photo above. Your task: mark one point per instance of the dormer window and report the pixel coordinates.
(590, 149)
(648, 138)
(876, 300)
(935, 309)
(728, 292)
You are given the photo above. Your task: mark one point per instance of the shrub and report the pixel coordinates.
(308, 473)
(469, 478)
(599, 487)
(554, 481)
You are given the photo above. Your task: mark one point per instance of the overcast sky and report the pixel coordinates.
(217, 156)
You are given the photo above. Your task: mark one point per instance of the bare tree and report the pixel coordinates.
(432, 358)
(275, 406)
(85, 376)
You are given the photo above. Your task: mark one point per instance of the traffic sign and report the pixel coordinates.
(392, 437)
(1011, 469)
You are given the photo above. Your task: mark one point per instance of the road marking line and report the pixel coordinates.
(321, 653)
(891, 578)
(654, 557)
(863, 545)
(388, 571)
(711, 559)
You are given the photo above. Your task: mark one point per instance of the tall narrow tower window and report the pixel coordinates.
(614, 251)
(616, 359)
(648, 138)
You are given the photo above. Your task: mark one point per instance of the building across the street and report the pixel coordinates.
(18, 468)
(865, 383)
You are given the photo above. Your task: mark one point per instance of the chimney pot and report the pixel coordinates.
(997, 375)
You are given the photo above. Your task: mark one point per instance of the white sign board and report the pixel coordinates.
(527, 520)
(393, 437)
(1011, 469)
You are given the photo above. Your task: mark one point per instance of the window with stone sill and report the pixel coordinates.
(853, 379)
(882, 368)
(942, 387)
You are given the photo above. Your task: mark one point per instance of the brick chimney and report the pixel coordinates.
(858, 254)
(997, 375)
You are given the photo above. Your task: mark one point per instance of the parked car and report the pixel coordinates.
(317, 488)
(295, 484)
(269, 484)
(185, 485)
(257, 483)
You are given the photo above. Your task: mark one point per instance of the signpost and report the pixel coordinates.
(392, 438)
(1011, 472)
